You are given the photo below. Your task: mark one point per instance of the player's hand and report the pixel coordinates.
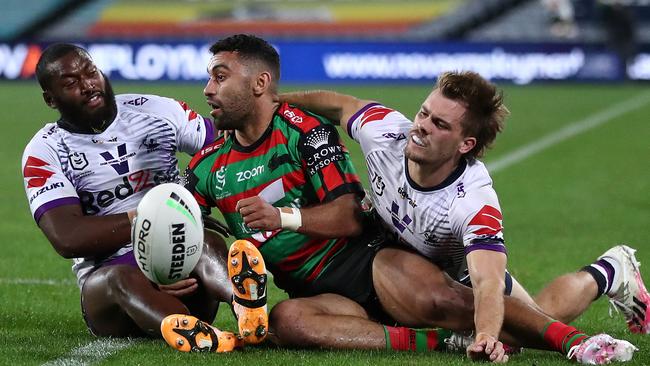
(259, 214)
(487, 348)
(181, 288)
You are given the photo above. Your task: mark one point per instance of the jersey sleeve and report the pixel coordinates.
(327, 162)
(476, 219)
(198, 172)
(378, 127)
(46, 186)
(193, 131)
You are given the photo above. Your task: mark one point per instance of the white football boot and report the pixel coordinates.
(602, 349)
(628, 292)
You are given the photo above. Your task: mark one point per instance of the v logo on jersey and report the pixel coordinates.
(120, 164)
(489, 219)
(37, 176)
(399, 223)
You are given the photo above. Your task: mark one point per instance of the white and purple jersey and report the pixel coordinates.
(443, 223)
(109, 172)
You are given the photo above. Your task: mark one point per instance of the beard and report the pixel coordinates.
(413, 156)
(235, 112)
(95, 121)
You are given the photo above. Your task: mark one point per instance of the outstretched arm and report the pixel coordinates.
(74, 235)
(335, 106)
(487, 270)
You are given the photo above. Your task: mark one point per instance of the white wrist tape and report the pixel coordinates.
(290, 218)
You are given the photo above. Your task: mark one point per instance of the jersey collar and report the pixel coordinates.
(250, 148)
(462, 164)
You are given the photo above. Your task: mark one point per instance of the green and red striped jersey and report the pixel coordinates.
(299, 161)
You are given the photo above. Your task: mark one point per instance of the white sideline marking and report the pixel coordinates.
(568, 131)
(36, 281)
(91, 353)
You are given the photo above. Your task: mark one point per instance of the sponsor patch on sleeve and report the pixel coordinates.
(321, 147)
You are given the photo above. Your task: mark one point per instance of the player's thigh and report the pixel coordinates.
(100, 299)
(519, 292)
(212, 268)
(298, 311)
(414, 291)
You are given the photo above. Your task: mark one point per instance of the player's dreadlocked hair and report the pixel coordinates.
(251, 48)
(485, 109)
(50, 55)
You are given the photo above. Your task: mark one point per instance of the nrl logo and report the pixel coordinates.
(78, 160)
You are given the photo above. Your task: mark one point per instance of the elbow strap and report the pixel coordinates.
(290, 218)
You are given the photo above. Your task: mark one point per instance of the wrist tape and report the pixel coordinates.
(290, 218)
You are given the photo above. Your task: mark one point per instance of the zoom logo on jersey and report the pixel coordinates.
(248, 174)
(121, 163)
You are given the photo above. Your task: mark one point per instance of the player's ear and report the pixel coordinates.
(262, 83)
(47, 97)
(467, 145)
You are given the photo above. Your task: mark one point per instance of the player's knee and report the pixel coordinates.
(290, 323)
(121, 281)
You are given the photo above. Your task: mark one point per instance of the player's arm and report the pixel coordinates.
(73, 235)
(337, 107)
(486, 270)
(334, 219)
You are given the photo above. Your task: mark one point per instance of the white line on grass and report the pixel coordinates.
(36, 281)
(92, 352)
(569, 131)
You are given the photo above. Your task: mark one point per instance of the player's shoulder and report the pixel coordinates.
(300, 119)
(45, 136)
(374, 111)
(142, 101)
(477, 175)
(42, 146)
(207, 152)
(474, 189)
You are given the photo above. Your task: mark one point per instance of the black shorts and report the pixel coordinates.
(349, 274)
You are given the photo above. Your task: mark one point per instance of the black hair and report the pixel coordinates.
(49, 56)
(250, 47)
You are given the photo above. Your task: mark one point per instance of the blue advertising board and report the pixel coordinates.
(349, 62)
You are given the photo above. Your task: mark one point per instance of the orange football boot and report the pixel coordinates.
(189, 334)
(248, 277)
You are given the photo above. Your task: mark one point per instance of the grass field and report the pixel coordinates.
(573, 195)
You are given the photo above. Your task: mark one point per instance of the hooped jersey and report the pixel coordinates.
(109, 172)
(299, 161)
(443, 223)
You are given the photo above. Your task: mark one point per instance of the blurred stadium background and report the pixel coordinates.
(571, 168)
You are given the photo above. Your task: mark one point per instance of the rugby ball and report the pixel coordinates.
(167, 234)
